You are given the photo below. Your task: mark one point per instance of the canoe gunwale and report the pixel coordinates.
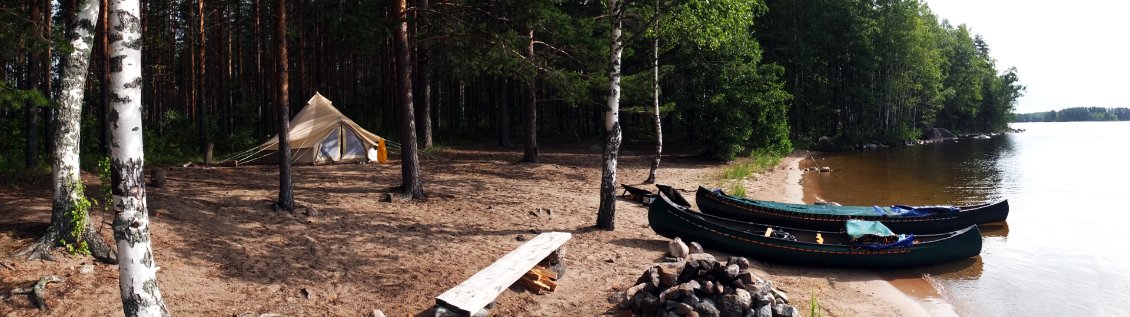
(719, 204)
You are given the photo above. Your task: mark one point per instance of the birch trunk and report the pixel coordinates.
(655, 102)
(606, 216)
(410, 163)
(69, 211)
(137, 270)
(286, 185)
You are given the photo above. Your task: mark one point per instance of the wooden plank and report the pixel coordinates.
(483, 287)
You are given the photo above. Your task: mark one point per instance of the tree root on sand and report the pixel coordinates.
(37, 291)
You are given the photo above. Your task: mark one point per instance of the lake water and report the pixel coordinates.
(1061, 252)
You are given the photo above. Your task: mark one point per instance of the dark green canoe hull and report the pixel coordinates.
(739, 238)
(807, 217)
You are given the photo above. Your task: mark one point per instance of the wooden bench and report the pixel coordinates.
(473, 295)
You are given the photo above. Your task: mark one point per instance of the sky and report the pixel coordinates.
(1067, 53)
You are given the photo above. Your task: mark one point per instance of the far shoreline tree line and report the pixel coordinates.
(1075, 114)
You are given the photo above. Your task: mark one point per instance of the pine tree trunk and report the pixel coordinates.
(137, 270)
(531, 147)
(410, 164)
(655, 102)
(260, 87)
(48, 114)
(202, 83)
(104, 117)
(286, 187)
(504, 114)
(606, 215)
(424, 111)
(31, 112)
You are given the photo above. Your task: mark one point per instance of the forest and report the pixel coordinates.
(723, 77)
(109, 86)
(1076, 114)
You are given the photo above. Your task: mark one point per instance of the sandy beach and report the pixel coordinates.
(223, 252)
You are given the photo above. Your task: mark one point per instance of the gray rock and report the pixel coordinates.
(669, 273)
(762, 300)
(742, 262)
(644, 302)
(620, 299)
(746, 277)
(706, 308)
(702, 257)
(785, 311)
(677, 248)
(780, 295)
(757, 288)
(691, 300)
(730, 306)
(651, 276)
(683, 308)
(732, 270)
(744, 299)
(86, 269)
(670, 305)
(708, 288)
(764, 311)
(695, 248)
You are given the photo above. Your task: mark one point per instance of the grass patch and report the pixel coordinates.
(814, 307)
(731, 176)
(436, 151)
(758, 161)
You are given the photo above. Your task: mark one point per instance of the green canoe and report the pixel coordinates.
(824, 217)
(836, 250)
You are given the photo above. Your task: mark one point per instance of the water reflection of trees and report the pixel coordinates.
(962, 172)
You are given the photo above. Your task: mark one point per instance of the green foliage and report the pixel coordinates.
(737, 189)
(865, 71)
(77, 216)
(105, 188)
(814, 307)
(758, 161)
(167, 143)
(732, 177)
(740, 106)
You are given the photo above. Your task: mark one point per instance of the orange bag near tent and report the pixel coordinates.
(382, 151)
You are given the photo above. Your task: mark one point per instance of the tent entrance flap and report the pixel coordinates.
(330, 149)
(352, 148)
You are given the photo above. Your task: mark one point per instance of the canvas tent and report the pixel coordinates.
(320, 134)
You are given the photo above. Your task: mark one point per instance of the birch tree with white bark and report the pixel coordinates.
(70, 218)
(137, 269)
(606, 215)
(655, 101)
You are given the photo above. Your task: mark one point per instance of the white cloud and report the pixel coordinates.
(1068, 53)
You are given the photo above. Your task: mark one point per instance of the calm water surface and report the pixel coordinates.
(1063, 250)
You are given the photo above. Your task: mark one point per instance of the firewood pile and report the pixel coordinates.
(696, 284)
(539, 280)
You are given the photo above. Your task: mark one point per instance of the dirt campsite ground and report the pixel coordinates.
(223, 252)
